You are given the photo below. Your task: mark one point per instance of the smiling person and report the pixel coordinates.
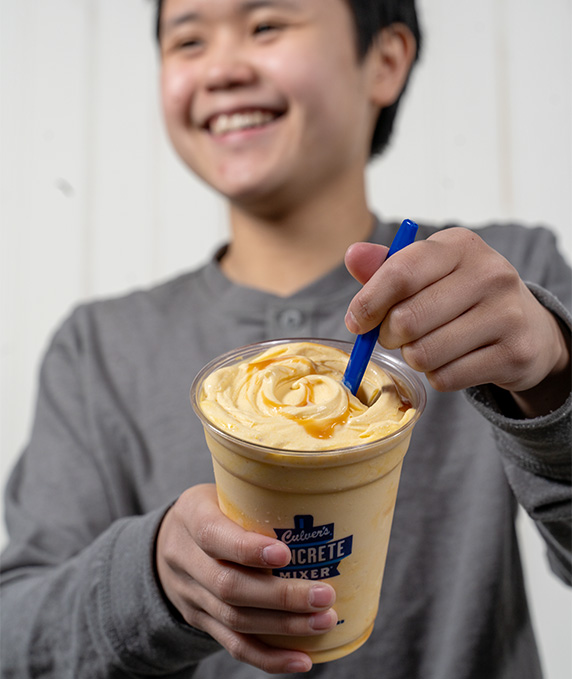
(120, 562)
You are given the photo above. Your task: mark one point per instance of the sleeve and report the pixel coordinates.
(79, 591)
(537, 453)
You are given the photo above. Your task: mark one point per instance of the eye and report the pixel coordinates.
(265, 27)
(190, 44)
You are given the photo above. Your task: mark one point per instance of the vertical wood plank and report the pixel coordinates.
(191, 218)
(122, 148)
(44, 53)
(443, 163)
(539, 78)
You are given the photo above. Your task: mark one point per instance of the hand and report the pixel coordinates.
(460, 313)
(217, 576)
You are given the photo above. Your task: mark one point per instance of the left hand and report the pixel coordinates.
(460, 313)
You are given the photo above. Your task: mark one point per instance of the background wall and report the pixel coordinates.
(93, 202)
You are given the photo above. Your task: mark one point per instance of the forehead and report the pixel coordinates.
(200, 7)
(178, 11)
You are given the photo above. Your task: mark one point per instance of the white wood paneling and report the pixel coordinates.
(43, 156)
(122, 148)
(94, 202)
(443, 162)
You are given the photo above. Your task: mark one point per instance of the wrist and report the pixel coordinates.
(553, 390)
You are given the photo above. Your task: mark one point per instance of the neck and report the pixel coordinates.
(285, 251)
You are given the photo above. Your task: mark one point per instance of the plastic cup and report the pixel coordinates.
(332, 508)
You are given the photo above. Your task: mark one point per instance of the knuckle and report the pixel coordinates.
(229, 616)
(224, 584)
(235, 646)
(402, 274)
(205, 535)
(291, 597)
(404, 321)
(363, 307)
(515, 319)
(498, 274)
(504, 278)
(268, 665)
(193, 617)
(170, 551)
(293, 625)
(440, 380)
(170, 542)
(418, 355)
(520, 354)
(242, 549)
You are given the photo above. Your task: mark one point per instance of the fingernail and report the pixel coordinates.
(323, 620)
(275, 555)
(321, 595)
(299, 666)
(351, 323)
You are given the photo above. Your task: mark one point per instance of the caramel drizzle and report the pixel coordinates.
(313, 427)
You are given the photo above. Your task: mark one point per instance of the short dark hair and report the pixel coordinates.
(370, 17)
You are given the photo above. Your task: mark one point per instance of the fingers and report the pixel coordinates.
(457, 309)
(251, 620)
(243, 587)
(195, 544)
(406, 273)
(364, 259)
(453, 358)
(250, 650)
(223, 539)
(425, 312)
(217, 575)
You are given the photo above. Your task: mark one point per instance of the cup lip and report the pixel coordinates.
(395, 366)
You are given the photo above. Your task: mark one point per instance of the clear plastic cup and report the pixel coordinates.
(333, 508)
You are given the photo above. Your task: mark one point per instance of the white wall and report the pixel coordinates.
(94, 202)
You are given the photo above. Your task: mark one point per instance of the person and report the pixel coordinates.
(120, 563)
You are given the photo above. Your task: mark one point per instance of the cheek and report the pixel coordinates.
(301, 78)
(322, 84)
(176, 94)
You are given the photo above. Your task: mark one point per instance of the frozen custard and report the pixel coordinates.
(291, 397)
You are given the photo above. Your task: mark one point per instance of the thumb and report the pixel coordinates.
(364, 259)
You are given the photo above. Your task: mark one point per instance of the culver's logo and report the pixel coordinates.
(315, 553)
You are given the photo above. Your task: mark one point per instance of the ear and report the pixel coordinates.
(391, 57)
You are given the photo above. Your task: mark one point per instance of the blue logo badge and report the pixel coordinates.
(315, 553)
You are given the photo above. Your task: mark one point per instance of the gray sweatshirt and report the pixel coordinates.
(114, 442)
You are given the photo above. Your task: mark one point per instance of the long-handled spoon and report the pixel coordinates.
(364, 344)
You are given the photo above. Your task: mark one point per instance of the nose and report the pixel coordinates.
(228, 67)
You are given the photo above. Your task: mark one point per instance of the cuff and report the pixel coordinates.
(540, 444)
(138, 625)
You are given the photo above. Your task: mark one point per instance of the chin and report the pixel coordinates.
(264, 202)
(249, 190)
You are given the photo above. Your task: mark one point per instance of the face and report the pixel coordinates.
(265, 99)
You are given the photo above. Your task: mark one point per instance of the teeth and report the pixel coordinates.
(239, 121)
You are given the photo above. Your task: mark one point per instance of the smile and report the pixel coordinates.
(241, 120)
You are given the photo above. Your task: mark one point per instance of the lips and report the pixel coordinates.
(235, 121)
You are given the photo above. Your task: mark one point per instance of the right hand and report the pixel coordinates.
(216, 574)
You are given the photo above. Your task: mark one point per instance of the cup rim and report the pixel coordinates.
(393, 365)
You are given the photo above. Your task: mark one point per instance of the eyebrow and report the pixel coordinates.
(249, 5)
(244, 8)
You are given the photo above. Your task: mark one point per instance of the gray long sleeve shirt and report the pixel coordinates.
(114, 442)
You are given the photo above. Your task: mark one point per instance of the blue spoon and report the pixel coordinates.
(364, 344)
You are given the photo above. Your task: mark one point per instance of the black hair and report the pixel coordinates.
(370, 17)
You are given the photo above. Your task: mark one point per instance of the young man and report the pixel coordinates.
(120, 561)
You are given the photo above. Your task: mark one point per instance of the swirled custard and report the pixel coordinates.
(291, 397)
